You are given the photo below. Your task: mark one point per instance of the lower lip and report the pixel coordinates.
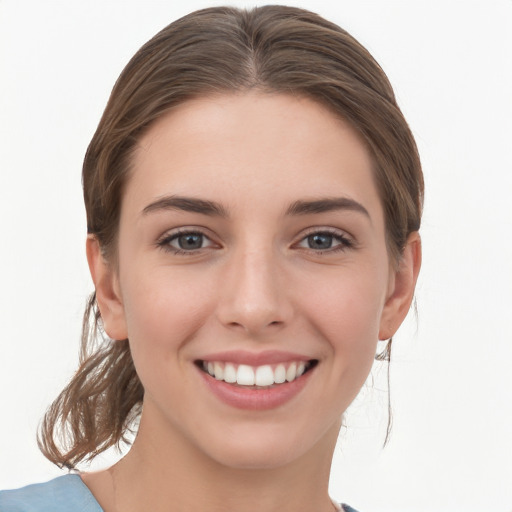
(256, 399)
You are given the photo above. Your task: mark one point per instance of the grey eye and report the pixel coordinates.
(189, 241)
(320, 241)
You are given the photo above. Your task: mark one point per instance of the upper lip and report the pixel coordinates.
(255, 358)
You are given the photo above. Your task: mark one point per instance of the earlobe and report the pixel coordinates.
(108, 294)
(402, 287)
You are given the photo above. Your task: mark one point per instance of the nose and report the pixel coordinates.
(253, 297)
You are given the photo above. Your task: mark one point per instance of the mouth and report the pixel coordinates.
(266, 376)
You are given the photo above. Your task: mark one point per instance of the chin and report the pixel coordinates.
(255, 458)
(262, 448)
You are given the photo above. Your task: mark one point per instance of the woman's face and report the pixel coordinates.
(251, 249)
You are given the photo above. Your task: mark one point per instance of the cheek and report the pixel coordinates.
(348, 318)
(163, 312)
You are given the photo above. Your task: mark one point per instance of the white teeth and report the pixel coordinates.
(280, 374)
(229, 373)
(264, 376)
(291, 373)
(245, 375)
(219, 371)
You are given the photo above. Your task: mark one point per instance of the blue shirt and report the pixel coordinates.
(63, 494)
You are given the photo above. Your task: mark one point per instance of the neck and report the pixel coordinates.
(174, 476)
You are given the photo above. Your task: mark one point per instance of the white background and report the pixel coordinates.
(451, 65)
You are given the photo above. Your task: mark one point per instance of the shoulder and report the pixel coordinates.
(62, 494)
(346, 508)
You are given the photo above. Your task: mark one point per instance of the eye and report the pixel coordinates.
(185, 242)
(320, 241)
(188, 242)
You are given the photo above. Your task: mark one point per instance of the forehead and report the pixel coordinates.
(251, 145)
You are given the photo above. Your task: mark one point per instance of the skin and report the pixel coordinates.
(256, 284)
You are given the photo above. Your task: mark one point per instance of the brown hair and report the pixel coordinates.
(217, 50)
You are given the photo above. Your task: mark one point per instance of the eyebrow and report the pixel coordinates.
(211, 208)
(327, 204)
(187, 204)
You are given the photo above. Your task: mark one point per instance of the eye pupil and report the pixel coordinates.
(320, 241)
(190, 241)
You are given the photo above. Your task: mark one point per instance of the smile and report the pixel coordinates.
(256, 377)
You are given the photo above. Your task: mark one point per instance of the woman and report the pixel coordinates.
(253, 198)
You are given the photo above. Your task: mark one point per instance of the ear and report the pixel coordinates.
(108, 294)
(401, 287)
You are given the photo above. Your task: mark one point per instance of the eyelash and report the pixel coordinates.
(344, 242)
(165, 242)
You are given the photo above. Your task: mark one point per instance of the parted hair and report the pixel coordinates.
(273, 49)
